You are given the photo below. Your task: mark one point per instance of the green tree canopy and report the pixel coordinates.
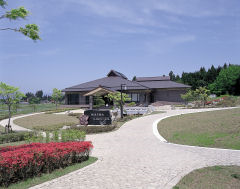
(227, 81)
(10, 96)
(39, 94)
(29, 30)
(116, 98)
(34, 100)
(57, 96)
(201, 94)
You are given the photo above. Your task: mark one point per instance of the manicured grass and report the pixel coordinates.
(46, 121)
(220, 129)
(217, 177)
(55, 174)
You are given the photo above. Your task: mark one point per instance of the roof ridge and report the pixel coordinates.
(74, 86)
(140, 84)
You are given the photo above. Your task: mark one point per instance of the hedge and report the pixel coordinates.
(94, 129)
(14, 137)
(25, 161)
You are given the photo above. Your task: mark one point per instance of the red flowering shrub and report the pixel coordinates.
(28, 160)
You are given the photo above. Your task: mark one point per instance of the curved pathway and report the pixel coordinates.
(16, 127)
(133, 157)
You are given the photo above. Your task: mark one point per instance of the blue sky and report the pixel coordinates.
(83, 39)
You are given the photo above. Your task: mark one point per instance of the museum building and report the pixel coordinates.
(142, 91)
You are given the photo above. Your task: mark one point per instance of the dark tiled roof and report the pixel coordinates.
(115, 79)
(164, 84)
(158, 78)
(113, 83)
(115, 73)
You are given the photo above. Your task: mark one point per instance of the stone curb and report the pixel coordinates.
(157, 134)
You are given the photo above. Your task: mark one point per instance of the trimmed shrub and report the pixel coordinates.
(73, 135)
(94, 129)
(25, 161)
(131, 104)
(56, 136)
(14, 137)
(227, 101)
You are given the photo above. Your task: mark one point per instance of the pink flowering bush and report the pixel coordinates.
(28, 160)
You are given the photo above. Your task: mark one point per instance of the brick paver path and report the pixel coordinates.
(133, 157)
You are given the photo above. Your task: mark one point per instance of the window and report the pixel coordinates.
(87, 99)
(134, 97)
(73, 98)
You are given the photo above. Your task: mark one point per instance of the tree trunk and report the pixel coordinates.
(9, 118)
(56, 105)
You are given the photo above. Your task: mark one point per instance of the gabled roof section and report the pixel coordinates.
(163, 84)
(112, 83)
(158, 78)
(100, 90)
(114, 73)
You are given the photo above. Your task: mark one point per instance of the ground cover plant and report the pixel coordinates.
(56, 136)
(13, 143)
(211, 178)
(46, 122)
(220, 129)
(2, 129)
(26, 161)
(14, 137)
(30, 182)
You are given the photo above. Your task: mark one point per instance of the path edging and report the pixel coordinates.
(157, 134)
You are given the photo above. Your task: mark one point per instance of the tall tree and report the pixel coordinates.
(10, 96)
(29, 30)
(172, 76)
(39, 94)
(28, 95)
(226, 81)
(57, 96)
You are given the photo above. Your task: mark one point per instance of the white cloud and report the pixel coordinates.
(166, 44)
(10, 56)
(113, 9)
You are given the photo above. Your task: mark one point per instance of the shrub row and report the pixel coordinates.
(228, 101)
(14, 137)
(25, 161)
(57, 136)
(94, 129)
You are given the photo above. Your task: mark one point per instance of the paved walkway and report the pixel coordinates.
(133, 157)
(14, 126)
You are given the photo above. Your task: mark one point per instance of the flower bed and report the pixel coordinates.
(215, 101)
(24, 161)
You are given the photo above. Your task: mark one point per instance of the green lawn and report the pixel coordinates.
(46, 121)
(220, 129)
(217, 177)
(46, 177)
